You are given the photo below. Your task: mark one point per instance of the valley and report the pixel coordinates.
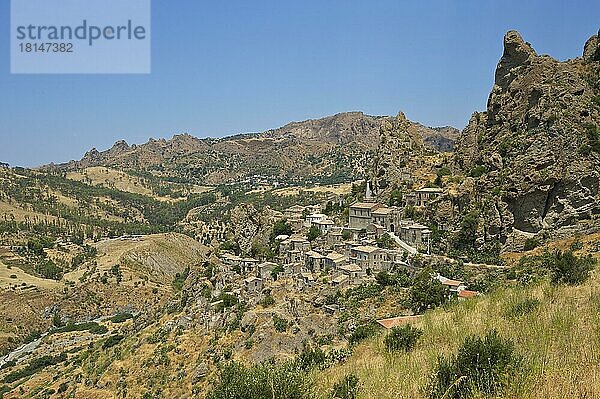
(351, 256)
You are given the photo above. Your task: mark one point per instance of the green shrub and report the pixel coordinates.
(262, 381)
(121, 318)
(347, 388)
(8, 364)
(267, 301)
(276, 270)
(63, 387)
(478, 171)
(530, 243)
(402, 338)
(523, 307)
(361, 333)
(482, 367)
(593, 136)
(310, 357)
(35, 366)
(228, 300)
(281, 227)
(567, 268)
(112, 341)
(576, 245)
(34, 335)
(384, 279)
(180, 278)
(313, 233)
(386, 241)
(91, 326)
(280, 323)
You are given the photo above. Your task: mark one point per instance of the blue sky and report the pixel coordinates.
(220, 68)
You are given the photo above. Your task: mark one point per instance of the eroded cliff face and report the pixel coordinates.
(535, 153)
(400, 152)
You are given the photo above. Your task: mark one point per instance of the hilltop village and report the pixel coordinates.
(321, 255)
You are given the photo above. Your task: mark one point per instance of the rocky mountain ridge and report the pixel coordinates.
(335, 146)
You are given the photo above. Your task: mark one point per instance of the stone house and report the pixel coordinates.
(294, 212)
(230, 259)
(314, 261)
(334, 236)
(423, 196)
(294, 256)
(324, 225)
(294, 243)
(386, 217)
(335, 259)
(415, 234)
(369, 258)
(248, 265)
(455, 286)
(354, 272)
(297, 224)
(291, 269)
(360, 214)
(375, 230)
(306, 279)
(253, 284)
(340, 281)
(265, 269)
(314, 218)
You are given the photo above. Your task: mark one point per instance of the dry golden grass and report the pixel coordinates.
(338, 189)
(588, 243)
(559, 340)
(21, 277)
(99, 175)
(20, 214)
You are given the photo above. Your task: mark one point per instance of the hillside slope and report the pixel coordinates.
(558, 339)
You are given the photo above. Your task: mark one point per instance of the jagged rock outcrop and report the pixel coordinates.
(400, 151)
(253, 226)
(591, 51)
(535, 152)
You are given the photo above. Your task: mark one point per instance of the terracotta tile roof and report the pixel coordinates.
(467, 294)
(397, 321)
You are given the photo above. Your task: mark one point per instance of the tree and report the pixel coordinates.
(384, 279)
(281, 227)
(395, 197)
(313, 233)
(427, 292)
(385, 241)
(465, 238)
(276, 270)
